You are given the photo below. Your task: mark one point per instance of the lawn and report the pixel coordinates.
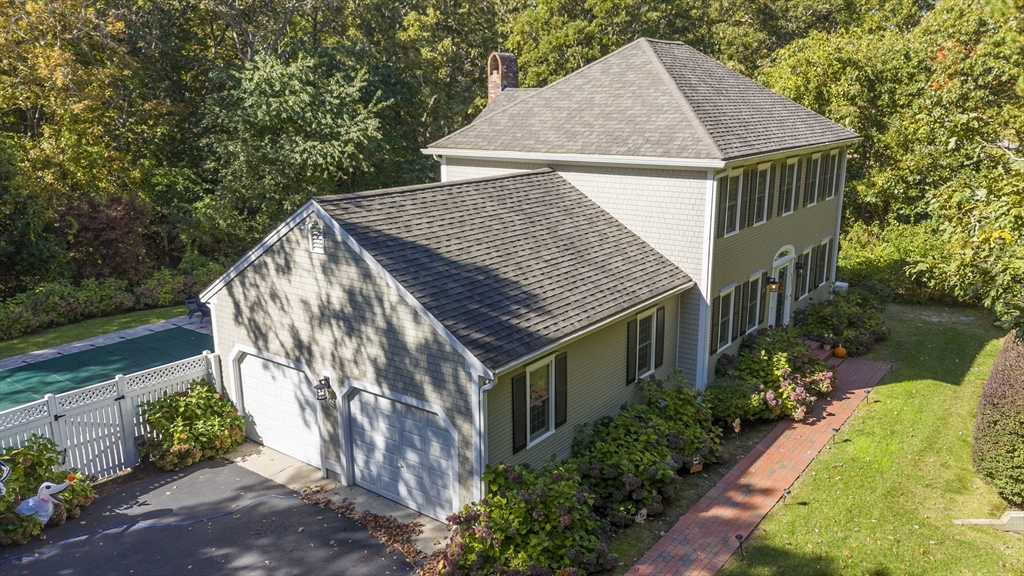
(883, 499)
(86, 329)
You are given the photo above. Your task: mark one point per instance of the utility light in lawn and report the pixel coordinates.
(323, 388)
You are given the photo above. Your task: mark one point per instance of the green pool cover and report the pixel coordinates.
(33, 381)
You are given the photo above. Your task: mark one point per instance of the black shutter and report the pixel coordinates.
(723, 192)
(822, 176)
(631, 352)
(715, 305)
(737, 311)
(659, 337)
(518, 412)
(772, 175)
(829, 259)
(783, 188)
(561, 390)
(764, 298)
(745, 203)
(799, 189)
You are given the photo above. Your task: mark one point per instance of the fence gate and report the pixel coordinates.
(96, 426)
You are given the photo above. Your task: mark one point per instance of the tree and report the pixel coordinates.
(279, 134)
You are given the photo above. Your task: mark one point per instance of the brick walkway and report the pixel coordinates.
(705, 537)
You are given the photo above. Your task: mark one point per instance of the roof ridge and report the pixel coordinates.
(539, 89)
(427, 186)
(674, 87)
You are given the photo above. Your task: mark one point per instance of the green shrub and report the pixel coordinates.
(846, 319)
(729, 399)
(34, 463)
(999, 427)
(885, 254)
(630, 460)
(190, 426)
(877, 294)
(530, 522)
(783, 371)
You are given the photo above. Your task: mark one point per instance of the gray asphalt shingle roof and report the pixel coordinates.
(651, 98)
(507, 264)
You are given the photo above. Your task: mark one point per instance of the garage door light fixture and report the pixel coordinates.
(323, 388)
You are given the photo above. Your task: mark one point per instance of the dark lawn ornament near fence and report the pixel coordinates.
(196, 306)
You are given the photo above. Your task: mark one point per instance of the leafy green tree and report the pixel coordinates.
(280, 133)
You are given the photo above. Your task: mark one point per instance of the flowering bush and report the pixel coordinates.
(850, 320)
(630, 460)
(785, 375)
(532, 522)
(729, 399)
(38, 461)
(190, 426)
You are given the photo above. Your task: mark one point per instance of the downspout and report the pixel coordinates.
(480, 431)
(707, 265)
(839, 215)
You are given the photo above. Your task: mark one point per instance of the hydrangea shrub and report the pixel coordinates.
(850, 320)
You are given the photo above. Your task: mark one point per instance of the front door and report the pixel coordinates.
(781, 298)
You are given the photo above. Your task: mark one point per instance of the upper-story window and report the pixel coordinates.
(761, 194)
(733, 195)
(789, 185)
(813, 170)
(833, 175)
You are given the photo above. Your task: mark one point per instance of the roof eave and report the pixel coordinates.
(518, 361)
(788, 152)
(592, 159)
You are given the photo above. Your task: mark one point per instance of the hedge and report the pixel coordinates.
(999, 427)
(59, 303)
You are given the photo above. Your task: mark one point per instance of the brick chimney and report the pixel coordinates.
(502, 72)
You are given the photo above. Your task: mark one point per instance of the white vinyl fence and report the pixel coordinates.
(97, 426)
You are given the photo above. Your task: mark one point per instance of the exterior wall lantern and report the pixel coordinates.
(773, 284)
(800, 268)
(323, 389)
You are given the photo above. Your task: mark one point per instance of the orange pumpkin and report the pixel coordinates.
(839, 352)
(71, 477)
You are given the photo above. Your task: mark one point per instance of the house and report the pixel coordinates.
(637, 217)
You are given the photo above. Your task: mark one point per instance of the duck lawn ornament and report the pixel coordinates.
(41, 505)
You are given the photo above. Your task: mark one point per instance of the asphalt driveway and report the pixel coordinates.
(278, 535)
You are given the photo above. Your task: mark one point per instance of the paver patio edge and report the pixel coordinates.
(705, 537)
(103, 340)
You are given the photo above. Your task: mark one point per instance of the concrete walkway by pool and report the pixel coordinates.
(30, 377)
(705, 537)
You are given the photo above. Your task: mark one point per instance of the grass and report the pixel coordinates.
(86, 329)
(630, 544)
(883, 499)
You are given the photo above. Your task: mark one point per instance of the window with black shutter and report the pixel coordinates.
(539, 396)
(645, 344)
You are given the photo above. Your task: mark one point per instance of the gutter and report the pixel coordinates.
(788, 153)
(539, 352)
(590, 159)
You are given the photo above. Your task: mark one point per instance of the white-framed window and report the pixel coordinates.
(804, 280)
(753, 302)
(789, 186)
(761, 193)
(316, 237)
(823, 261)
(733, 197)
(725, 311)
(813, 170)
(540, 400)
(645, 335)
(833, 175)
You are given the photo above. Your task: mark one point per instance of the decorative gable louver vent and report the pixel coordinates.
(316, 237)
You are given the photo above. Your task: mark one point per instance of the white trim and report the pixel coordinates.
(806, 281)
(213, 323)
(739, 202)
(238, 354)
(793, 188)
(257, 250)
(707, 259)
(816, 178)
(444, 169)
(591, 159)
(654, 342)
(344, 419)
(767, 187)
(755, 277)
(824, 269)
(730, 289)
(548, 361)
(833, 175)
(839, 205)
(771, 157)
(480, 449)
(526, 358)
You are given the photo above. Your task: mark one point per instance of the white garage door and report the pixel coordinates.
(403, 453)
(280, 409)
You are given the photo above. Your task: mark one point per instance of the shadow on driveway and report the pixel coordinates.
(279, 535)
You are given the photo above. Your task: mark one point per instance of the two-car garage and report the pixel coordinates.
(400, 450)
